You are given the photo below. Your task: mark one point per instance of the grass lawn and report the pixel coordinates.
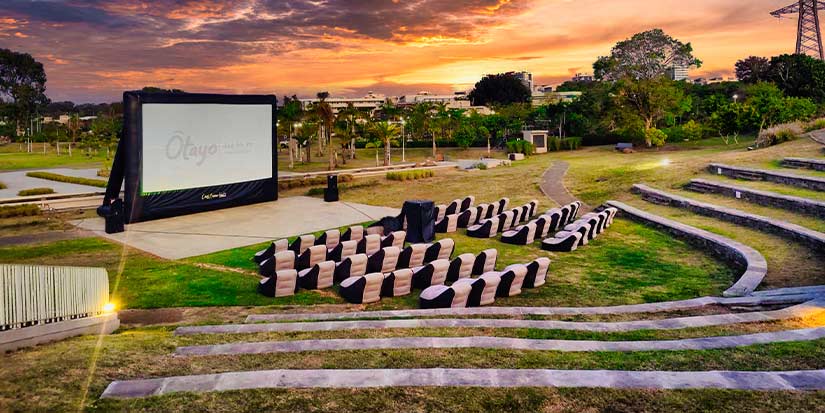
(629, 263)
(13, 157)
(29, 383)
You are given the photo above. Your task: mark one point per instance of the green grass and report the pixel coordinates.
(13, 159)
(35, 191)
(149, 282)
(29, 376)
(630, 263)
(68, 179)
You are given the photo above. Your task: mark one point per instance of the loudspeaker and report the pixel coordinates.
(420, 216)
(113, 215)
(331, 191)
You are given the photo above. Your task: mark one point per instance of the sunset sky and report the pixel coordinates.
(93, 50)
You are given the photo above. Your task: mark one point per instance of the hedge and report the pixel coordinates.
(25, 210)
(310, 181)
(35, 191)
(410, 175)
(68, 179)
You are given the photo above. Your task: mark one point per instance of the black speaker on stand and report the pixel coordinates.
(331, 191)
(420, 216)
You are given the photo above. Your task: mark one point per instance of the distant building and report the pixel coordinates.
(369, 102)
(678, 72)
(525, 77)
(582, 77)
(540, 98)
(457, 100)
(63, 119)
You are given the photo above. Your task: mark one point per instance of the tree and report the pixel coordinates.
(306, 132)
(730, 119)
(647, 55)
(465, 135)
(753, 69)
(384, 132)
(799, 75)
(652, 100)
(290, 113)
(326, 117)
(501, 89)
(23, 80)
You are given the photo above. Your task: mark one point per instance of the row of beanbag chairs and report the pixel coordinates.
(371, 287)
(474, 292)
(580, 232)
(552, 220)
(306, 250)
(461, 213)
(286, 280)
(490, 227)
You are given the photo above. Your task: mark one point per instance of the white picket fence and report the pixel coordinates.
(37, 294)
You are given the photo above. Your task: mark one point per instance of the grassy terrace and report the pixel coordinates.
(629, 263)
(138, 353)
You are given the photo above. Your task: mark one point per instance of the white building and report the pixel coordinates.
(525, 77)
(457, 100)
(370, 102)
(582, 77)
(538, 138)
(678, 72)
(540, 98)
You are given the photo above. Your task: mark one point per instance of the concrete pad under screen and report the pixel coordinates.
(207, 232)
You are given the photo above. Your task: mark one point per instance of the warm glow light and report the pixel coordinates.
(664, 162)
(109, 307)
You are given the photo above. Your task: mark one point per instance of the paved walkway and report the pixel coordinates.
(552, 183)
(501, 343)
(17, 181)
(197, 234)
(364, 378)
(803, 310)
(759, 298)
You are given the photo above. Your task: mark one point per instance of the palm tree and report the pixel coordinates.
(290, 113)
(385, 131)
(326, 116)
(74, 126)
(441, 119)
(306, 131)
(349, 115)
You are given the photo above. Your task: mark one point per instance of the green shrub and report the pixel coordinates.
(311, 181)
(3, 185)
(655, 136)
(554, 144)
(520, 146)
(25, 210)
(68, 179)
(104, 172)
(482, 166)
(571, 144)
(692, 131)
(410, 175)
(35, 191)
(343, 188)
(784, 135)
(816, 124)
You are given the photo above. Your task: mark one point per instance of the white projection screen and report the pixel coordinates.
(184, 153)
(197, 145)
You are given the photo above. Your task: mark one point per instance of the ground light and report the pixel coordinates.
(664, 162)
(109, 307)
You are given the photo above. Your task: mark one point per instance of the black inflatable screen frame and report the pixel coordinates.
(128, 164)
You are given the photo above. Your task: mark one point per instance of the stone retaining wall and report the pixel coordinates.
(811, 238)
(771, 199)
(742, 257)
(809, 182)
(815, 164)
